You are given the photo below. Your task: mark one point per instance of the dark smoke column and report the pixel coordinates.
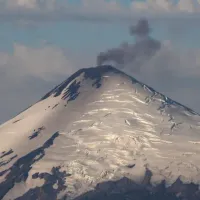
(141, 29)
(144, 48)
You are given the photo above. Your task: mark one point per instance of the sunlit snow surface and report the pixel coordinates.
(108, 126)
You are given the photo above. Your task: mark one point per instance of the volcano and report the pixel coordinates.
(101, 134)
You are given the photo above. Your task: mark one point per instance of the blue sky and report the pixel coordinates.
(44, 44)
(65, 35)
(97, 36)
(70, 33)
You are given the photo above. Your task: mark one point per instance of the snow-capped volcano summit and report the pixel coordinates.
(101, 125)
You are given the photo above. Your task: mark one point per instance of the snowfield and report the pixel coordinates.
(100, 125)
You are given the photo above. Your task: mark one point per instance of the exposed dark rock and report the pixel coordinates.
(96, 74)
(48, 191)
(147, 177)
(126, 189)
(3, 172)
(58, 89)
(35, 176)
(6, 162)
(186, 190)
(123, 189)
(92, 73)
(55, 105)
(131, 166)
(19, 170)
(6, 153)
(16, 121)
(36, 133)
(72, 91)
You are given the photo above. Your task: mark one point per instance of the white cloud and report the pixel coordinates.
(45, 62)
(154, 5)
(44, 10)
(29, 4)
(28, 73)
(168, 6)
(174, 72)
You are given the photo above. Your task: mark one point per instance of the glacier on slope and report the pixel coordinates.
(100, 125)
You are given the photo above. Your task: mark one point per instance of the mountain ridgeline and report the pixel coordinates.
(101, 134)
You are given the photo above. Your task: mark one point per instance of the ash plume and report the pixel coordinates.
(141, 29)
(135, 54)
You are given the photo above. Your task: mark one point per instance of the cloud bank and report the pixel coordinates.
(102, 10)
(28, 73)
(45, 63)
(173, 71)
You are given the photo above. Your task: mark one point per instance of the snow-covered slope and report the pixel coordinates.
(100, 125)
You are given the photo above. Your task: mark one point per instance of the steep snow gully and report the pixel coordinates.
(101, 134)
